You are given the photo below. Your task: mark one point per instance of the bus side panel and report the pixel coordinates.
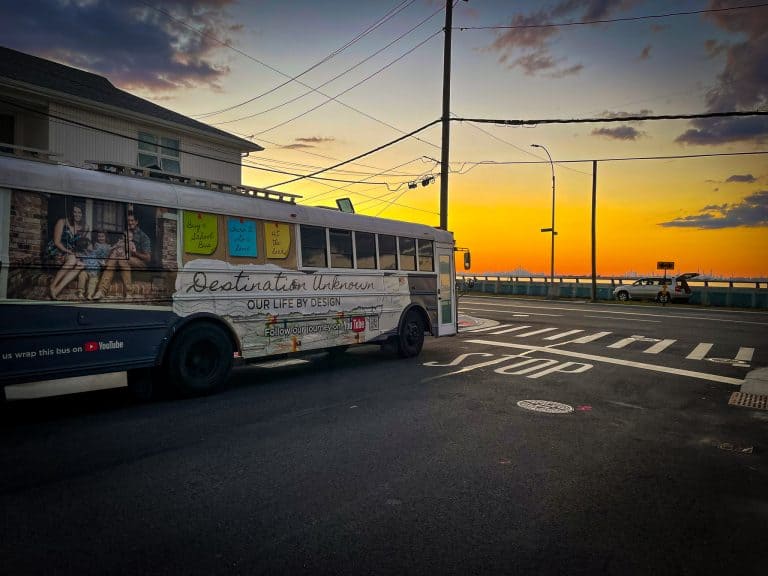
(423, 290)
(56, 341)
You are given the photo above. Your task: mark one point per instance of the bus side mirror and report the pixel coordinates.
(467, 260)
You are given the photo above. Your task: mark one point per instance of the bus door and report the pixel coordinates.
(446, 290)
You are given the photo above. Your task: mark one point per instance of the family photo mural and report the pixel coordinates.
(80, 249)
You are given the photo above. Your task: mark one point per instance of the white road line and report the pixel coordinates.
(489, 301)
(465, 309)
(487, 328)
(515, 329)
(542, 331)
(608, 360)
(745, 355)
(617, 318)
(589, 338)
(562, 334)
(700, 352)
(659, 346)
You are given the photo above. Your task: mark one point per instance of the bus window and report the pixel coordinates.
(407, 253)
(426, 257)
(365, 250)
(341, 248)
(387, 252)
(313, 247)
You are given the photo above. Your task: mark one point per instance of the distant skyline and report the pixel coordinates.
(318, 82)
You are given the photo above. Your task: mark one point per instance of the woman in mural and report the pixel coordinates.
(62, 248)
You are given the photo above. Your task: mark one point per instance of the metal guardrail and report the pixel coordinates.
(735, 292)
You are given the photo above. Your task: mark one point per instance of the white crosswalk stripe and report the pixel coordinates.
(487, 328)
(745, 354)
(507, 330)
(659, 346)
(590, 338)
(701, 351)
(563, 334)
(541, 331)
(655, 345)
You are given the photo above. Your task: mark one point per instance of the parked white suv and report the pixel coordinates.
(653, 288)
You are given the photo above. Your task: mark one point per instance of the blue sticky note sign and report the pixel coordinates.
(242, 237)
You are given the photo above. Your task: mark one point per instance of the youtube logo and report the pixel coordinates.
(91, 347)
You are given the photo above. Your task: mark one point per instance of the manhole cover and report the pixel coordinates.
(545, 406)
(759, 401)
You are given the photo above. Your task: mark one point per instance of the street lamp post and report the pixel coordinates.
(552, 228)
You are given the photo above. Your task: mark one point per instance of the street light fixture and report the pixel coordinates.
(552, 228)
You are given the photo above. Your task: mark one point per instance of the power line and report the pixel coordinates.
(419, 45)
(390, 14)
(618, 159)
(61, 119)
(227, 45)
(317, 88)
(641, 118)
(516, 147)
(363, 155)
(612, 20)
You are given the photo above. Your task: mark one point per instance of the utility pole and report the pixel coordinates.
(594, 233)
(446, 116)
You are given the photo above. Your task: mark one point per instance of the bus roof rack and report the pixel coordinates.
(150, 172)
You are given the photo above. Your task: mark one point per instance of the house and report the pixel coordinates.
(80, 118)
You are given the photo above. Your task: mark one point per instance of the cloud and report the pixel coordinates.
(133, 45)
(308, 142)
(742, 178)
(741, 85)
(528, 47)
(619, 133)
(296, 146)
(750, 212)
(315, 139)
(646, 53)
(643, 112)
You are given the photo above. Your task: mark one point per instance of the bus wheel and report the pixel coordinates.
(410, 339)
(200, 359)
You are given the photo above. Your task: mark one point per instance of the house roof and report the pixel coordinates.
(86, 86)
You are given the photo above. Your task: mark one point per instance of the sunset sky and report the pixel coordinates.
(258, 68)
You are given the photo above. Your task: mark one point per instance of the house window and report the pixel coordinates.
(159, 152)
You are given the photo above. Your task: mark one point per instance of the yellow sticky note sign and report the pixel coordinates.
(201, 233)
(278, 239)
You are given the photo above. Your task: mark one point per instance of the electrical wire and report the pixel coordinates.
(227, 45)
(390, 14)
(363, 155)
(636, 118)
(345, 72)
(612, 20)
(419, 45)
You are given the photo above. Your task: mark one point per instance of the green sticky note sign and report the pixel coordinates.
(201, 234)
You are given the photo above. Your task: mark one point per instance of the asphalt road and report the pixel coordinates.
(370, 464)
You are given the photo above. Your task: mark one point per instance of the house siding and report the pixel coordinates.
(78, 145)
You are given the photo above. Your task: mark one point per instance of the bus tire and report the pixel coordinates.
(200, 359)
(410, 337)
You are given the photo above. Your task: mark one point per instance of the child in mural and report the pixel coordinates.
(61, 249)
(94, 257)
(138, 257)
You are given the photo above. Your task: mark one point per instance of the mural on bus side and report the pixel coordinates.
(84, 250)
(276, 310)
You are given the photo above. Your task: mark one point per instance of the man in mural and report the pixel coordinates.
(139, 253)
